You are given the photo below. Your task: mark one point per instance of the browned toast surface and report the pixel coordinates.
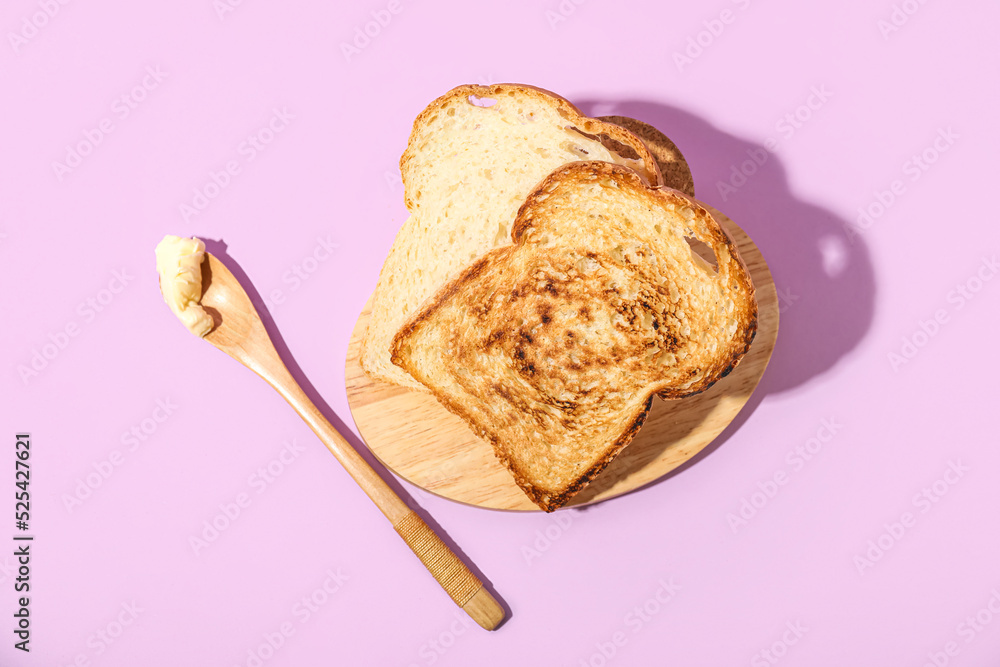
(552, 348)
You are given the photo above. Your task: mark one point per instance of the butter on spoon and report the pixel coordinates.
(178, 261)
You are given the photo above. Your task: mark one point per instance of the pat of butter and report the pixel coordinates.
(178, 261)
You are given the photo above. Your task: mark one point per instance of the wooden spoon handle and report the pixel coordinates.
(453, 575)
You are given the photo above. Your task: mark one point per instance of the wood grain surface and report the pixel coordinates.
(419, 440)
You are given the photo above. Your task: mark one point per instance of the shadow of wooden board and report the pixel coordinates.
(419, 440)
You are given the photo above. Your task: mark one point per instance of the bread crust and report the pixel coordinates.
(732, 274)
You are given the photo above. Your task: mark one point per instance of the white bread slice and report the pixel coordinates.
(551, 349)
(473, 156)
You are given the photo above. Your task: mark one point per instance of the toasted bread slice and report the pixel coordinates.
(473, 156)
(551, 349)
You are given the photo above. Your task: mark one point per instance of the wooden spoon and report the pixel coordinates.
(239, 332)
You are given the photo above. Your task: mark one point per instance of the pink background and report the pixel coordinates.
(665, 575)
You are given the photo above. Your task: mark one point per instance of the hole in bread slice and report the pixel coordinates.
(702, 254)
(475, 100)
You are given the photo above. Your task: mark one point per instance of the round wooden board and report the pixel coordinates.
(418, 439)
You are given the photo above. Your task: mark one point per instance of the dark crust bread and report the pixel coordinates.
(550, 502)
(701, 226)
(546, 501)
(715, 236)
(709, 232)
(566, 109)
(675, 169)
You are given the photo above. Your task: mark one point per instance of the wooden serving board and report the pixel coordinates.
(418, 439)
